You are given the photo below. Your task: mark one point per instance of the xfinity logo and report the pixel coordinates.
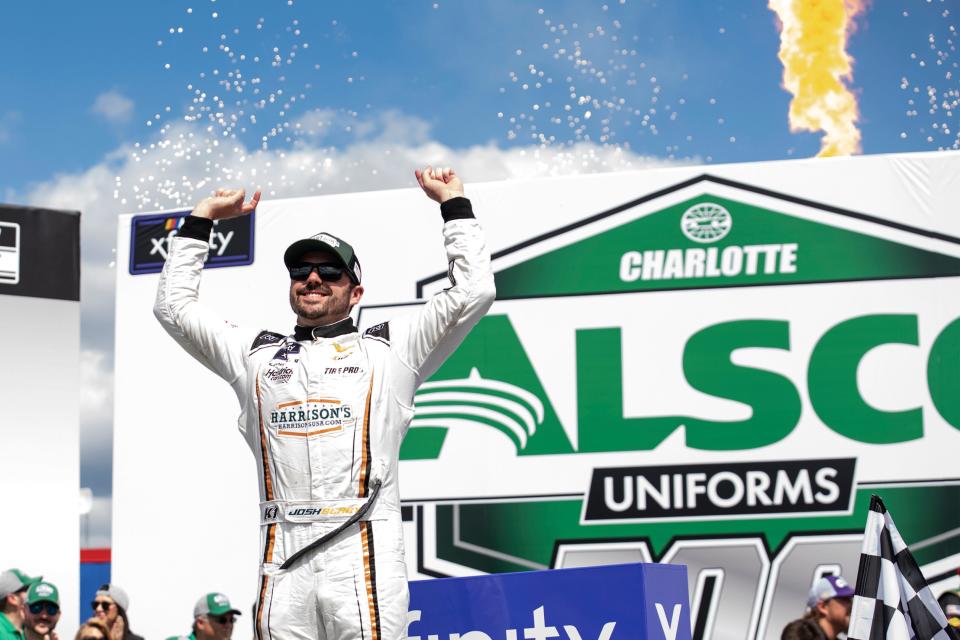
(218, 243)
(231, 241)
(668, 616)
(618, 601)
(539, 630)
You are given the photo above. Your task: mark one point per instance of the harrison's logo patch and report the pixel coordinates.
(311, 417)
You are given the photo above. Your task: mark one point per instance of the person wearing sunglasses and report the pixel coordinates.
(14, 585)
(42, 612)
(110, 605)
(325, 408)
(213, 618)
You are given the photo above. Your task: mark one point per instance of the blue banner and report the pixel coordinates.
(231, 241)
(616, 602)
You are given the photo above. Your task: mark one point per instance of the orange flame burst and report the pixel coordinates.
(813, 41)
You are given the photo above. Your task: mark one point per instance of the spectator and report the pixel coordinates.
(110, 606)
(828, 611)
(93, 629)
(828, 604)
(42, 612)
(802, 629)
(13, 587)
(213, 618)
(949, 601)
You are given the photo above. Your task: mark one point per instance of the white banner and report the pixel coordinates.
(738, 357)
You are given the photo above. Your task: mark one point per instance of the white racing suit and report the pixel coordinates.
(324, 412)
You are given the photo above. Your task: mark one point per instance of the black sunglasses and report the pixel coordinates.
(224, 619)
(327, 271)
(51, 607)
(96, 604)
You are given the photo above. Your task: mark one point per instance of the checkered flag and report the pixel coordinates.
(893, 601)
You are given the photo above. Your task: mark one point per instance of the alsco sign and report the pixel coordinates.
(711, 322)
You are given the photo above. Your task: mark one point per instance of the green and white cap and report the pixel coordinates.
(13, 580)
(341, 250)
(214, 604)
(43, 592)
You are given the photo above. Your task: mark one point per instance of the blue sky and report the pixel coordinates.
(382, 85)
(445, 65)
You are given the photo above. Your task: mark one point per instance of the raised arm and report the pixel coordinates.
(428, 336)
(226, 203)
(217, 344)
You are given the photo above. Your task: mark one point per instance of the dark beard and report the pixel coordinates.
(332, 309)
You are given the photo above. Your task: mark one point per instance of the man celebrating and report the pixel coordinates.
(325, 410)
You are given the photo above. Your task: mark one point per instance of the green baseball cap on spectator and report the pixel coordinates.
(13, 580)
(215, 604)
(43, 592)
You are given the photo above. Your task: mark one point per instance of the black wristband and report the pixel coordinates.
(197, 228)
(456, 209)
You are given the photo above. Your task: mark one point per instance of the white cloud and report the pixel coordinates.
(333, 127)
(186, 164)
(317, 124)
(113, 106)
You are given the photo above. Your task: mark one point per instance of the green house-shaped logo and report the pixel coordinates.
(706, 233)
(710, 232)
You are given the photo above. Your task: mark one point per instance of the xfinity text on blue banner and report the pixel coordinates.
(616, 602)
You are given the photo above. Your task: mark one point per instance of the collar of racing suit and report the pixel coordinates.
(339, 328)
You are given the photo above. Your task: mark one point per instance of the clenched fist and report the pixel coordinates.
(439, 184)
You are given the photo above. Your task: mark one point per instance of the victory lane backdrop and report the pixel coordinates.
(713, 370)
